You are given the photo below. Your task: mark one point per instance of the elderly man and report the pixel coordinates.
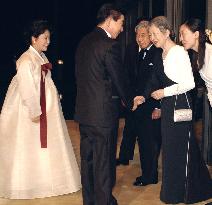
(148, 114)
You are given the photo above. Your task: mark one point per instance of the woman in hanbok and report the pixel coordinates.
(185, 177)
(36, 155)
(193, 37)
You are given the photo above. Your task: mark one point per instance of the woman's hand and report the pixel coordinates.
(158, 94)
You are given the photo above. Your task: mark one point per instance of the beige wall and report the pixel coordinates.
(175, 13)
(209, 14)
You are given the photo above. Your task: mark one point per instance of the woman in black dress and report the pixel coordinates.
(185, 178)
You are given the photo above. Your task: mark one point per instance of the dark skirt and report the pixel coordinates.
(207, 130)
(185, 177)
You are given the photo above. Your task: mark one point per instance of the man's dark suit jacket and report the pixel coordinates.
(140, 72)
(131, 65)
(145, 69)
(100, 80)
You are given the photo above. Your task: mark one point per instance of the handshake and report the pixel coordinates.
(138, 100)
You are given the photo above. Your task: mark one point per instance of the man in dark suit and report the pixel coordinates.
(101, 85)
(148, 114)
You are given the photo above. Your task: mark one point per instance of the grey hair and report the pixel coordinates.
(142, 24)
(162, 23)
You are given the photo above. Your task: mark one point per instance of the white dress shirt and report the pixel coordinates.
(146, 49)
(108, 34)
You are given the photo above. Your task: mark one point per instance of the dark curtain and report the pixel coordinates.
(134, 10)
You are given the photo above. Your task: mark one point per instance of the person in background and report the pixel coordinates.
(127, 147)
(193, 37)
(146, 117)
(143, 123)
(36, 155)
(101, 84)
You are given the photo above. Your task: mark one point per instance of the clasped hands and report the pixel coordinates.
(138, 100)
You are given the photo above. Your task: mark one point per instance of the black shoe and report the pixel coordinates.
(140, 182)
(210, 203)
(113, 201)
(138, 178)
(122, 162)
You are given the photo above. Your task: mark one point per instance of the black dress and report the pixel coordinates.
(207, 130)
(185, 177)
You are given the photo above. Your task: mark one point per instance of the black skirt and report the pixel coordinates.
(185, 177)
(207, 130)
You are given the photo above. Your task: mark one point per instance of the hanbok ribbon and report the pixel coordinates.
(43, 118)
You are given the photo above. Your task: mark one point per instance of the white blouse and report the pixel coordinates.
(206, 71)
(178, 68)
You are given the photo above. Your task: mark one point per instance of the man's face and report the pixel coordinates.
(116, 27)
(142, 37)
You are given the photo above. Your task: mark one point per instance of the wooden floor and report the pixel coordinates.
(124, 191)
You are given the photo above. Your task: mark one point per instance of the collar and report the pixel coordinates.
(108, 34)
(35, 51)
(149, 47)
(139, 48)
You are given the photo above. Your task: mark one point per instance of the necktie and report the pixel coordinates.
(142, 53)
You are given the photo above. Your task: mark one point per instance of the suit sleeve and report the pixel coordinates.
(118, 75)
(27, 89)
(128, 62)
(129, 66)
(154, 82)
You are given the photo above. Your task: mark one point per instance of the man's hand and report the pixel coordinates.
(156, 114)
(158, 94)
(138, 100)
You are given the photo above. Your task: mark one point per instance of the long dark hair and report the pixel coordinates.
(194, 25)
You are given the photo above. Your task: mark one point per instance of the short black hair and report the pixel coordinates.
(107, 10)
(36, 28)
(142, 18)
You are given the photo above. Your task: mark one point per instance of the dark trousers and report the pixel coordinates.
(127, 147)
(98, 164)
(149, 142)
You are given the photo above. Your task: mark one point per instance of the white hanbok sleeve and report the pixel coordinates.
(30, 96)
